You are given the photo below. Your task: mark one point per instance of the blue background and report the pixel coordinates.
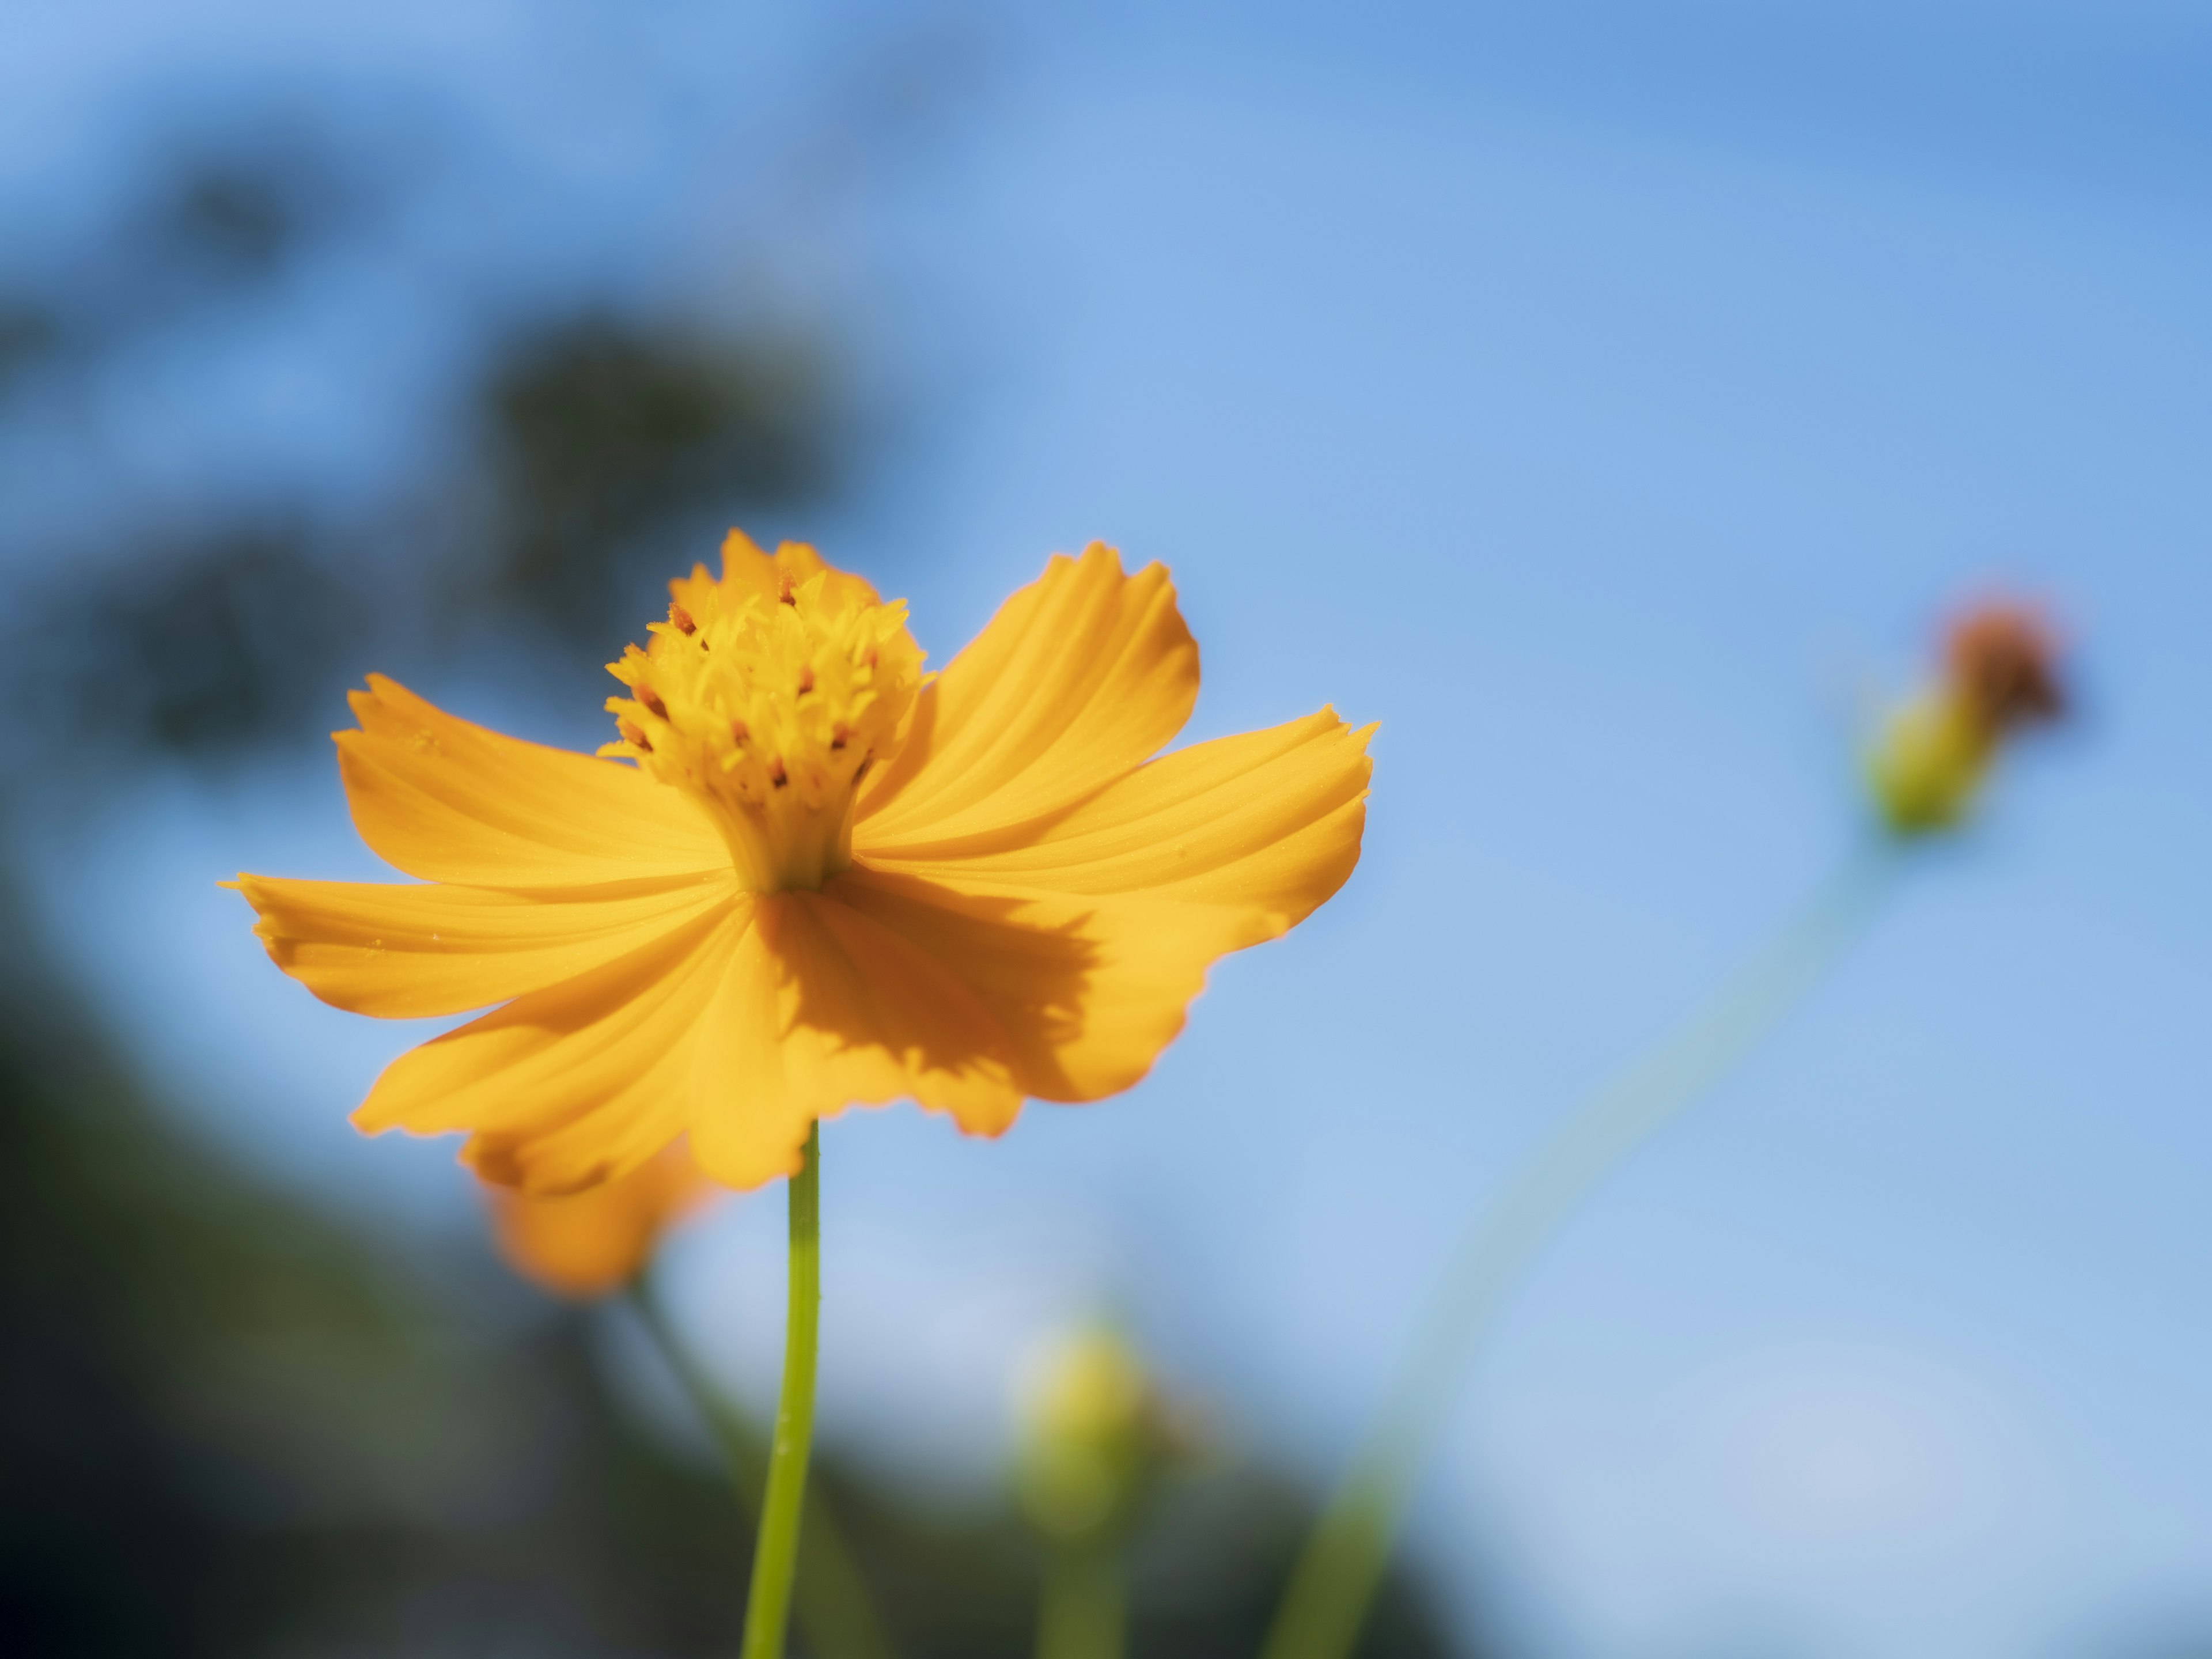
(1608, 398)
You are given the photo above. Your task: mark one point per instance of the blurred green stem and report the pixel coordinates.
(776, 1554)
(1084, 1611)
(1336, 1575)
(829, 1598)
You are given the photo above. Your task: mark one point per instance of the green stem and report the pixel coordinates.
(1336, 1575)
(1084, 1615)
(776, 1554)
(830, 1597)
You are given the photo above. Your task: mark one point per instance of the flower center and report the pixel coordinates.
(768, 695)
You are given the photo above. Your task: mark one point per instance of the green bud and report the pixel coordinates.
(1095, 1438)
(1929, 764)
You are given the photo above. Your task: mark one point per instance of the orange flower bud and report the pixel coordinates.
(593, 1243)
(1999, 675)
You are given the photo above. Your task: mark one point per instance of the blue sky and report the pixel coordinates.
(1607, 399)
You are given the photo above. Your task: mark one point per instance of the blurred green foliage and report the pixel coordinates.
(606, 432)
(230, 1427)
(592, 444)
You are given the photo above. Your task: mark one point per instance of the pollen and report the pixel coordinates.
(765, 696)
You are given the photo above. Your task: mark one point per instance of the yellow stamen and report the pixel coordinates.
(765, 696)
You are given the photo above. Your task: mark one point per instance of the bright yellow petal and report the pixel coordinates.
(1271, 819)
(403, 952)
(1080, 676)
(576, 1083)
(1088, 989)
(445, 801)
(591, 1242)
(822, 1009)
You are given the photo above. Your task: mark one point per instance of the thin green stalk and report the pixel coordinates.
(1336, 1575)
(775, 1553)
(830, 1597)
(1084, 1613)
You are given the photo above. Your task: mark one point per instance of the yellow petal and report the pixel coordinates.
(820, 1009)
(445, 801)
(576, 1083)
(1271, 819)
(1088, 989)
(588, 1244)
(402, 952)
(1079, 677)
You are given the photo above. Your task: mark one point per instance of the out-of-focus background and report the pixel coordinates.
(1607, 397)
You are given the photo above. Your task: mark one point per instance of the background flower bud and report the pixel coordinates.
(1999, 675)
(1096, 1436)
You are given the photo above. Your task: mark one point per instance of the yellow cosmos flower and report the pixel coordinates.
(593, 1243)
(812, 877)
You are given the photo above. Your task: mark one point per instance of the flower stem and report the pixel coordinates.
(1084, 1613)
(776, 1554)
(1336, 1575)
(830, 1597)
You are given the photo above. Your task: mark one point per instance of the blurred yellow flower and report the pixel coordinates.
(828, 879)
(593, 1243)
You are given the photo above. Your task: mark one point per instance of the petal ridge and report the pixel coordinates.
(444, 800)
(1079, 677)
(1272, 818)
(575, 1084)
(400, 951)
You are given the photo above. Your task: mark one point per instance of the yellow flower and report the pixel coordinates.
(591, 1242)
(827, 879)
